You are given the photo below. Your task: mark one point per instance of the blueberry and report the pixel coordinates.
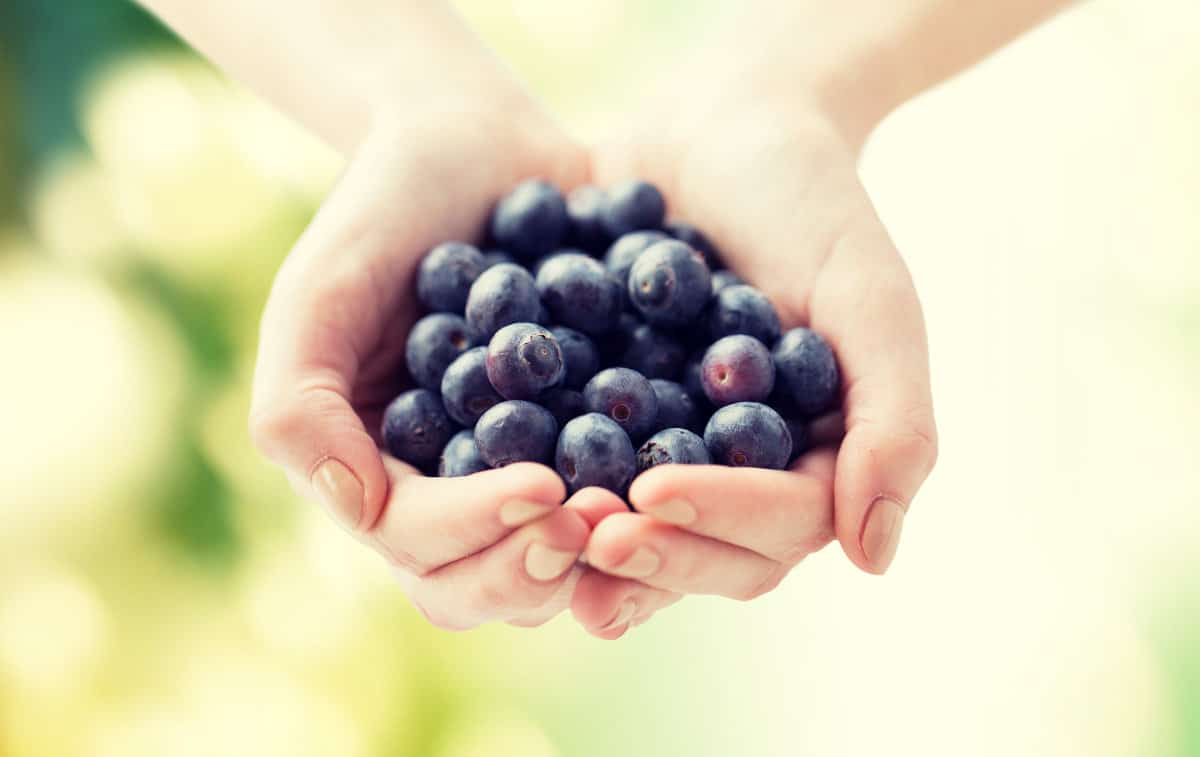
(807, 371)
(585, 207)
(536, 268)
(697, 240)
(461, 457)
(692, 380)
(524, 360)
(737, 369)
(594, 451)
(800, 437)
(416, 427)
(502, 294)
(445, 275)
(676, 408)
(466, 390)
(580, 293)
(669, 284)
(625, 396)
(672, 445)
(613, 344)
(496, 257)
(748, 434)
(433, 344)
(515, 431)
(580, 355)
(531, 220)
(563, 404)
(633, 206)
(725, 278)
(653, 353)
(742, 309)
(621, 256)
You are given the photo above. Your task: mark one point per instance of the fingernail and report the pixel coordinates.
(519, 512)
(545, 564)
(677, 512)
(881, 533)
(641, 564)
(624, 613)
(340, 491)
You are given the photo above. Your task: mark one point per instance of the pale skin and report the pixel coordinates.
(757, 140)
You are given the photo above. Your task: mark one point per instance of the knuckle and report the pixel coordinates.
(272, 424)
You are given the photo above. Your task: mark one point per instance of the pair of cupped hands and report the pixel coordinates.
(772, 178)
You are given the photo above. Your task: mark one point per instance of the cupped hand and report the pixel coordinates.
(493, 546)
(774, 182)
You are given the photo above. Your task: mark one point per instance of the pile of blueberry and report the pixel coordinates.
(603, 342)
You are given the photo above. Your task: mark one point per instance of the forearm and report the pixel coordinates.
(863, 58)
(336, 66)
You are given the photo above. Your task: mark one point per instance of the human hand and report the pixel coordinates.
(773, 181)
(492, 546)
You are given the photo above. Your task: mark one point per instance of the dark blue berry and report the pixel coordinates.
(672, 446)
(697, 240)
(579, 293)
(627, 397)
(514, 431)
(466, 390)
(563, 404)
(461, 457)
(670, 284)
(737, 369)
(633, 206)
(502, 294)
(524, 360)
(742, 309)
(416, 428)
(676, 408)
(445, 275)
(621, 256)
(531, 220)
(612, 345)
(748, 434)
(653, 353)
(585, 206)
(692, 378)
(433, 344)
(725, 278)
(580, 355)
(594, 451)
(807, 371)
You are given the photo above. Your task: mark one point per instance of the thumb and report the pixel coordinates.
(865, 303)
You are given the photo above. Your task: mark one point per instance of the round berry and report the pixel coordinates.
(416, 427)
(748, 434)
(697, 240)
(653, 353)
(807, 371)
(445, 275)
(502, 294)
(672, 446)
(433, 344)
(725, 278)
(669, 284)
(627, 397)
(594, 451)
(676, 408)
(514, 431)
(632, 206)
(563, 404)
(585, 208)
(579, 293)
(531, 220)
(621, 256)
(461, 457)
(466, 390)
(742, 309)
(524, 360)
(580, 355)
(737, 369)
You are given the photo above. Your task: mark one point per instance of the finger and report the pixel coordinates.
(595, 504)
(556, 604)
(782, 515)
(866, 306)
(608, 606)
(524, 571)
(635, 546)
(430, 522)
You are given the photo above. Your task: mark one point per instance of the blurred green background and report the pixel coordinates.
(162, 592)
